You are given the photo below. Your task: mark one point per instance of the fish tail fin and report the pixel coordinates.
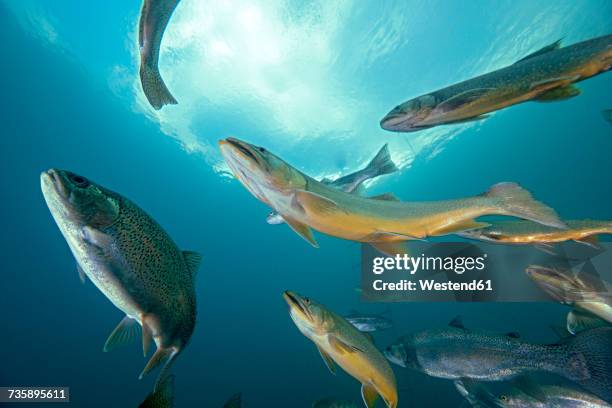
(154, 88)
(381, 164)
(162, 397)
(164, 356)
(515, 201)
(589, 361)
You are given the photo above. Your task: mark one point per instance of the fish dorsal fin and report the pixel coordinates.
(513, 335)
(463, 98)
(126, 331)
(369, 395)
(193, 261)
(457, 322)
(329, 362)
(550, 47)
(314, 202)
(385, 197)
(82, 275)
(235, 401)
(340, 346)
(302, 230)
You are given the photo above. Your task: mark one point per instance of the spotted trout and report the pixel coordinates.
(339, 342)
(546, 75)
(306, 203)
(131, 260)
(154, 17)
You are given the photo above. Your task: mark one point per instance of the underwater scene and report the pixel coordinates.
(203, 201)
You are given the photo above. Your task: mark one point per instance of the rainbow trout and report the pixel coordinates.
(154, 17)
(306, 203)
(339, 342)
(544, 76)
(131, 260)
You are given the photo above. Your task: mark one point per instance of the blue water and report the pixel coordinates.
(310, 82)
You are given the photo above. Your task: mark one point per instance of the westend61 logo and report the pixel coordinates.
(412, 265)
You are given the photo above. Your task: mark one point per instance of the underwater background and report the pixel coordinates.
(310, 81)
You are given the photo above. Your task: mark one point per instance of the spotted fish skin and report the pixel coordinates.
(130, 258)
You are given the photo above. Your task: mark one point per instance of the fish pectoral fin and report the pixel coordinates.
(558, 94)
(314, 202)
(385, 197)
(369, 395)
(341, 346)
(591, 241)
(193, 261)
(550, 47)
(126, 331)
(463, 98)
(530, 387)
(578, 321)
(392, 248)
(146, 335)
(329, 362)
(546, 248)
(460, 226)
(82, 275)
(302, 230)
(457, 322)
(550, 83)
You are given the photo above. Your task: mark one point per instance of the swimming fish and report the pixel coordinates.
(369, 322)
(380, 165)
(163, 397)
(235, 401)
(546, 75)
(333, 403)
(582, 291)
(527, 232)
(607, 115)
(516, 396)
(154, 17)
(305, 203)
(340, 343)
(456, 352)
(131, 260)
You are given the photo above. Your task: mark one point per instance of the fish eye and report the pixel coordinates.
(261, 149)
(79, 181)
(307, 300)
(503, 398)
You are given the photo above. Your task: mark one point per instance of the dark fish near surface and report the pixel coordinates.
(607, 115)
(545, 75)
(456, 353)
(132, 260)
(369, 322)
(154, 18)
(334, 403)
(380, 165)
(163, 397)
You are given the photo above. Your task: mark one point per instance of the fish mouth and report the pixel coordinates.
(242, 147)
(294, 300)
(52, 180)
(394, 121)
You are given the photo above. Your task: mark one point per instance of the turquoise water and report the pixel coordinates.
(309, 82)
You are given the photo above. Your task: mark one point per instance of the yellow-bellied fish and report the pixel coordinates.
(132, 260)
(544, 76)
(380, 165)
(339, 342)
(527, 232)
(154, 17)
(305, 203)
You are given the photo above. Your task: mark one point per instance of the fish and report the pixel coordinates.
(546, 75)
(340, 343)
(533, 395)
(154, 18)
(456, 353)
(131, 259)
(583, 291)
(527, 232)
(607, 115)
(235, 401)
(384, 222)
(579, 320)
(380, 165)
(333, 403)
(163, 397)
(369, 322)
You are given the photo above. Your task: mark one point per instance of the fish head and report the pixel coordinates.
(561, 285)
(73, 199)
(309, 316)
(259, 170)
(408, 116)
